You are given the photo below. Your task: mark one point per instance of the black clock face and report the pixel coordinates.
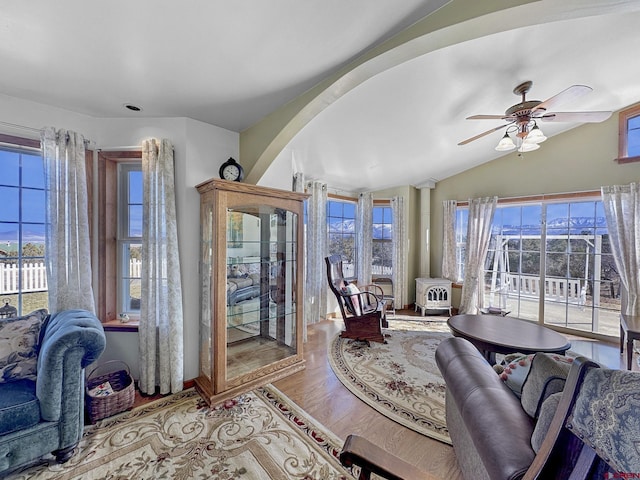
(231, 170)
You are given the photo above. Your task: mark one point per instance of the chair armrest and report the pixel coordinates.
(544, 461)
(373, 288)
(369, 301)
(358, 451)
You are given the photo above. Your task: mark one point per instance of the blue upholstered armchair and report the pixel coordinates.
(46, 414)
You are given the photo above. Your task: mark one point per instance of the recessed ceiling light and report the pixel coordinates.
(132, 107)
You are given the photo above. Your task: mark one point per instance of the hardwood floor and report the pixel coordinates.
(318, 391)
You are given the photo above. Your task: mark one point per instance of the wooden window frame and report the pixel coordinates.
(107, 267)
(623, 119)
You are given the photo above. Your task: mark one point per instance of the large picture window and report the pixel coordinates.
(23, 279)
(551, 260)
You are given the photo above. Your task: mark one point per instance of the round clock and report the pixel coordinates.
(231, 170)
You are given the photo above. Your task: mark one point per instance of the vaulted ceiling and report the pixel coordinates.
(231, 64)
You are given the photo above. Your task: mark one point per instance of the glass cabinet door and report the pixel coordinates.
(206, 270)
(251, 285)
(261, 285)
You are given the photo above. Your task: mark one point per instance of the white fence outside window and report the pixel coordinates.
(34, 276)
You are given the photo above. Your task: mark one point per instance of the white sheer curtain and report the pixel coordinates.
(449, 264)
(622, 212)
(478, 235)
(68, 251)
(160, 330)
(298, 182)
(315, 304)
(399, 250)
(364, 242)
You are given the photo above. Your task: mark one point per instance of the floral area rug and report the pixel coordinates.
(400, 379)
(259, 435)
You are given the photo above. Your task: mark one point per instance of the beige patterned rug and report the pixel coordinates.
(399, 379)
(260, 435)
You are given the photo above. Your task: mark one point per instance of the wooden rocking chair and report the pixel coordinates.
(363, 312)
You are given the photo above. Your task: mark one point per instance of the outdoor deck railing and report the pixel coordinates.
(572, 291)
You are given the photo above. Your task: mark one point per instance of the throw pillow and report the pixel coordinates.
(514, 370)
(353, 301)
(547, 376)
(547, 412)
(18, 346)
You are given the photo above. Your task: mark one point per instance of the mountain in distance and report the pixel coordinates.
(28, 236)
(380, 230)
(574, 226)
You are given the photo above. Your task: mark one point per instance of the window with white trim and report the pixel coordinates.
(550, 259)
(341, 233)
(129, 237)
(382, 238)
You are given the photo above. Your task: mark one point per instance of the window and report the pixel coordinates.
(462, 220)
(629, 135)
(551, 259)
(119, 236)
(129, 237)
(382, 235)
(23, 278)
(341, 231)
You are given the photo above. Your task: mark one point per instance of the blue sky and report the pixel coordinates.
(26, 169)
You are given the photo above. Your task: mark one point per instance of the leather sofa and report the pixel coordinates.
(46, 415)
(492, 433)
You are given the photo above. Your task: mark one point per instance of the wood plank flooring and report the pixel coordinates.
(318, 391)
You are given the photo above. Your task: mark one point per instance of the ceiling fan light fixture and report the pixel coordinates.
(505, 144)
(535, 135)
(528, 147)
(521, 118)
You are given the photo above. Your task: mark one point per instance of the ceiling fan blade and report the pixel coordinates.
(574, 91)
(583, 117)
(487, 117)
(468, 140)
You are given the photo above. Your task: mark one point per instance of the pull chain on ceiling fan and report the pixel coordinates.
(522, 118)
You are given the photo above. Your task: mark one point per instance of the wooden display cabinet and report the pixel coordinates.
(251, 279)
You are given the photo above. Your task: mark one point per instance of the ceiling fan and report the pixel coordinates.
(522, 118)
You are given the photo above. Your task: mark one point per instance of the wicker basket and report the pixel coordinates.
(121, 399)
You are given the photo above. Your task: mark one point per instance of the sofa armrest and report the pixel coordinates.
(72, 339)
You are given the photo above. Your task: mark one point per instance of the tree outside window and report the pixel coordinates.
(341, 230)
(382, 236)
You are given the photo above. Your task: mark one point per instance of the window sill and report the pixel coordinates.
(623, 160)
(118, 326)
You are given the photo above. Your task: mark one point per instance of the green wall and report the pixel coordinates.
(579, 160)
(412, 214)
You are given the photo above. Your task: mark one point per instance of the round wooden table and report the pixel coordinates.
(493, 334)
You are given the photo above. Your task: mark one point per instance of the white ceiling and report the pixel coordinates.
(231, 63)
